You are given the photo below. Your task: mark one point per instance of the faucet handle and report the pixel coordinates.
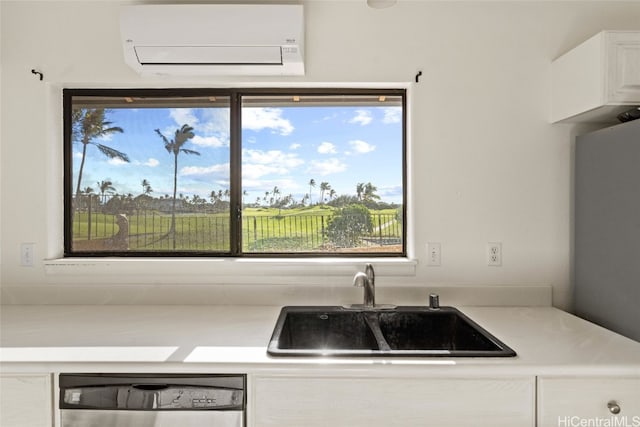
(434, 301)
(359, 279)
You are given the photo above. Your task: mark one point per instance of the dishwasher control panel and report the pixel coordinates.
(210, 392)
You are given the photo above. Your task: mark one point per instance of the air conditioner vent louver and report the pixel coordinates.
(214, 39)
(209, 55)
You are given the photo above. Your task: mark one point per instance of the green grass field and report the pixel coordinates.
(263, 229)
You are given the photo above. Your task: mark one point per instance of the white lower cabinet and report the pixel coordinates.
(26, 400)
(603, 401)
(382, 402)
(291, 400)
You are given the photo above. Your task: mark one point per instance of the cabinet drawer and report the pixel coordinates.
(580, 401)
(386, 402)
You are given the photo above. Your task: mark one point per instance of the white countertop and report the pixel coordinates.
(168, 338)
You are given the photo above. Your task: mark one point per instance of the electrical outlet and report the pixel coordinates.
(494, 254)
(433, 254)
(26, 254)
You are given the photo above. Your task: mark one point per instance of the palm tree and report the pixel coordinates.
(88, 125)
(370, 192)
(105, 187)
(143, 199)
(146, 187)
(324, 186)
(89, 194)
(359, 190)
(312, 184)
(332, 194)
(174, 147)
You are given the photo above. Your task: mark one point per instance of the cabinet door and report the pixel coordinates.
(623, 50)
(597, 79)
(588, 401)
(25, 400)
(385, 402)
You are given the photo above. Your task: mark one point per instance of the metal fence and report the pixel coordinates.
(150, 231)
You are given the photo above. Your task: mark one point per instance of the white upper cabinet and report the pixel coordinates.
(597, 80)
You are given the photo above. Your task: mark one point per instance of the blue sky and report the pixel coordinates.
(283, 147)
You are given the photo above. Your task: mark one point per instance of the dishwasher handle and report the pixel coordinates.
(150, 387)
(145, 397)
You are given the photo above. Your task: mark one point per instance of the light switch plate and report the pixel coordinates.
(433, 254)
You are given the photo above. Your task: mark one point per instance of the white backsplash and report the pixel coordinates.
(279, 295)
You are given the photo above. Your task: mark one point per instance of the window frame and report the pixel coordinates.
(235, 146)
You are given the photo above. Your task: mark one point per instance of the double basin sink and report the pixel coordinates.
(398, 331)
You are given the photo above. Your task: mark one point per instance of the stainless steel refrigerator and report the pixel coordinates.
(607, 228)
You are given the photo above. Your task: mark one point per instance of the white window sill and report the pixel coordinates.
(219, 270)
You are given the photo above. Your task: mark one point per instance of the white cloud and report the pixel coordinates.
(327, 148)
(106, 137)
(361, 146)
(326, 118)
(212, 132)
(363, 118)
(326, 167)
(263, 185)
(258, 119)
(116, 162)
(151, 162)
(183, 116)
(222, 168)
(258, 163)
(392, 115)
(255, 171)
(271, 157)
(294, 146)
(390, 192)
(209, 141)
(215, 121)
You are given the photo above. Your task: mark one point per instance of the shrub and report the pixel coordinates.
(348, 225)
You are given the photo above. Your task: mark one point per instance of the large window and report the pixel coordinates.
(205, 172)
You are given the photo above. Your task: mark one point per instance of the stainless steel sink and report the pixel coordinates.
(400, 331)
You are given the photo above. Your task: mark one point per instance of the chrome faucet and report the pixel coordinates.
(368, 281)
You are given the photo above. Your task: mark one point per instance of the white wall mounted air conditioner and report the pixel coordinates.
(214, 39)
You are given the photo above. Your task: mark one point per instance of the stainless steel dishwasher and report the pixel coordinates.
(144, 400)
